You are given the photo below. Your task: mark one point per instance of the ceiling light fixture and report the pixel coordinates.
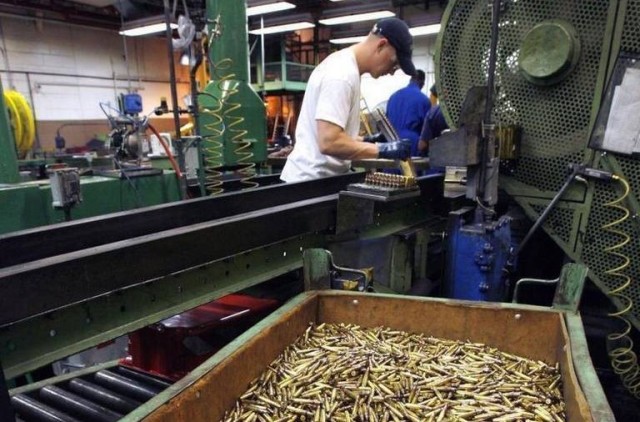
(347, 40)
(263, 9)
(282, 28)
(360, 17)
(425, 30)
(146, 26)
(416, 31)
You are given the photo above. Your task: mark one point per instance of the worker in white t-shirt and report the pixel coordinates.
(327, 129)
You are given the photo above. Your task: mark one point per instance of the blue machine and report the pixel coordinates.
(131, 103)
(477, 254)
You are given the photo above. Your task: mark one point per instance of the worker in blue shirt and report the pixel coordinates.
(434, 123)
(407, 108)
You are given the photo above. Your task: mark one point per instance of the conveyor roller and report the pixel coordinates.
(127, 386)
(103, 396)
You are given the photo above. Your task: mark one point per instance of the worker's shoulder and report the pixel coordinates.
(340, 65)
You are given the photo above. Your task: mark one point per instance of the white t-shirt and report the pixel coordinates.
(333, 95)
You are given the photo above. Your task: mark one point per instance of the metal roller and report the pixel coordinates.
(77, 405)
(147, 379)
(103, 396)
(126, 386)
(33, 410)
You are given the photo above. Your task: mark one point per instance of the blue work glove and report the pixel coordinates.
(396, 150)
(374, 138)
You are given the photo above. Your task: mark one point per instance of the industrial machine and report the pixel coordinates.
(63, 187)
(503, 91)
(552, 69)
(229, 139)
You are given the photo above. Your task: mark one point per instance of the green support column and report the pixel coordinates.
(233, 122)
(8, 159)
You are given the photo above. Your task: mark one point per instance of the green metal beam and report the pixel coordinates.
(32, 343)
(28, 205)
(36, 342)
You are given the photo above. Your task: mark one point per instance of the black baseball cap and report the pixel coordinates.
(397, 32)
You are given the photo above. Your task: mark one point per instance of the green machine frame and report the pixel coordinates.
(232, 125)
(557, 119)
(232, 115)
(100, 278)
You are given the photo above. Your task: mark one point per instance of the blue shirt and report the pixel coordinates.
(434, 124)
(406, 110)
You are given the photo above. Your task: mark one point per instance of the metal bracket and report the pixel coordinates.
(569, 288)
(321, 273)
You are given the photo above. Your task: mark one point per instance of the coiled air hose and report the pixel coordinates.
(22, 121)
(223, 117)
(624, 360)
(213, 144)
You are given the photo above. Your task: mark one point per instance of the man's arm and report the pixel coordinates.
(333, 141)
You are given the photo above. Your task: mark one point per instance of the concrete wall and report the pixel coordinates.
(65, 72)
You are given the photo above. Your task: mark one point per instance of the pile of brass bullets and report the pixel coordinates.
(347, 373)
(389, 180)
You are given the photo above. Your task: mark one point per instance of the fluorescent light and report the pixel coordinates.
(415, 31)
(357, 18)
(282, 28)
(425, 30)
(148, 29)
(269, 8)
(347, 40)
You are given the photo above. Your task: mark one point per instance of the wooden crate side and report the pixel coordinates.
(531, 332)
(576, 403)
(211, 389)
(526, 331)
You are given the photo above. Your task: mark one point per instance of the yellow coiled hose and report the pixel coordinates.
(624, 360)
(22, 122)
(224, 117)
(242, 146)
(213, 146)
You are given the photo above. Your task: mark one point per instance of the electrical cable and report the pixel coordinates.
(167, 150)
(624, 360)
(111, 118)
(133, 186)
(484, 207)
